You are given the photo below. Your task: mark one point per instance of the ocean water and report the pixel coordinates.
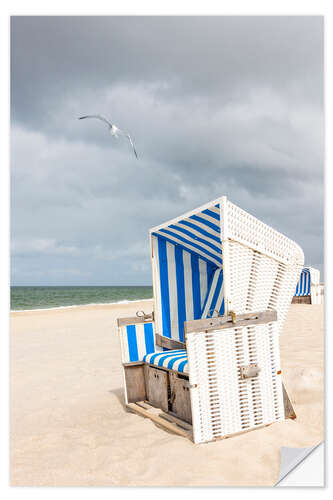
(45, 297)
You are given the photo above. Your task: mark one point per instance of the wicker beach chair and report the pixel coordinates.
(205, 363)
(308, 290)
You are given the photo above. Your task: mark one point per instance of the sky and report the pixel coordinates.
(215, 105)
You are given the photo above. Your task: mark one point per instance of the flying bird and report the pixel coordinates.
(114, 131)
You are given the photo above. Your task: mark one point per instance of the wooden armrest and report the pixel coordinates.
(230, 320)
(169, 343)
(147, 318)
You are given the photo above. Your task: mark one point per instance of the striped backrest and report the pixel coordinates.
(303, 287)
(182, 280)
(214, 303)
(137, 340)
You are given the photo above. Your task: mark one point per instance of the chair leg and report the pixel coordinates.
(289, 411)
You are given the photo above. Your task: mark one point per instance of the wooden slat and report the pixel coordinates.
(148, 318)
(134, 363)
(289, 411)
(222, 322)
(161, 421)
(144, 405)
(169, 343)
(135, 383)
(174, 419)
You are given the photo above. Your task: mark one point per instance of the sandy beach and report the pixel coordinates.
(69, 426)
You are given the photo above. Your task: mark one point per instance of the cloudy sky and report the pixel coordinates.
(216, 106)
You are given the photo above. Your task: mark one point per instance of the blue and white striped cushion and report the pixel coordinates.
(138, 340)
(174, 360)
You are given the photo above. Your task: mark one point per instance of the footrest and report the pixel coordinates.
(169, 423)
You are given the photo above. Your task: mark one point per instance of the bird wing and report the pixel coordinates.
(129, 138)
(121, 132)
(99, 117)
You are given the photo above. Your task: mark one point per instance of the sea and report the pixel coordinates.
(48, 297)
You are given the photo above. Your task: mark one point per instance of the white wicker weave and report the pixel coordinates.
(222, 402)
(315, 287)
(316, 294)
(261, 266)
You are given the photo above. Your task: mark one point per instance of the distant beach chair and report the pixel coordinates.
(205, 363)
(308, 289)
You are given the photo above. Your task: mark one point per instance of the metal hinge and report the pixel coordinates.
(249, 371)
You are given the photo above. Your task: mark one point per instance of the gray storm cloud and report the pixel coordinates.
(216, 105)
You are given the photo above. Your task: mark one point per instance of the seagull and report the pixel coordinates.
(114, 131)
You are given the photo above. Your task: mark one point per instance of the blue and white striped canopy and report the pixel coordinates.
(188, 276)
(198, 233)
(304, 284)
(303, 288)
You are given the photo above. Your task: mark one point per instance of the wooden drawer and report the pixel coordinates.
(156, 387)
(180, 401)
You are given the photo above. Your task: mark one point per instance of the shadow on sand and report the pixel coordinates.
(119, 393)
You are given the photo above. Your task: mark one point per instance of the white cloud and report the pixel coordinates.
(42, 246)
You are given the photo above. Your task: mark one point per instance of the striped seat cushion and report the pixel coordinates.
(174, 360)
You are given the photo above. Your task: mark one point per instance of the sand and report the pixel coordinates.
(69, 426)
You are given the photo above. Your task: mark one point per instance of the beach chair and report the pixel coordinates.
(205, 363)
(309, 289)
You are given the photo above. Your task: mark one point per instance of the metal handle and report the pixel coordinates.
(144, 316)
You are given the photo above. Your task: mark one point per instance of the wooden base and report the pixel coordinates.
(172, 423)
(169, 422)
(164, 397)
(302, 300)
